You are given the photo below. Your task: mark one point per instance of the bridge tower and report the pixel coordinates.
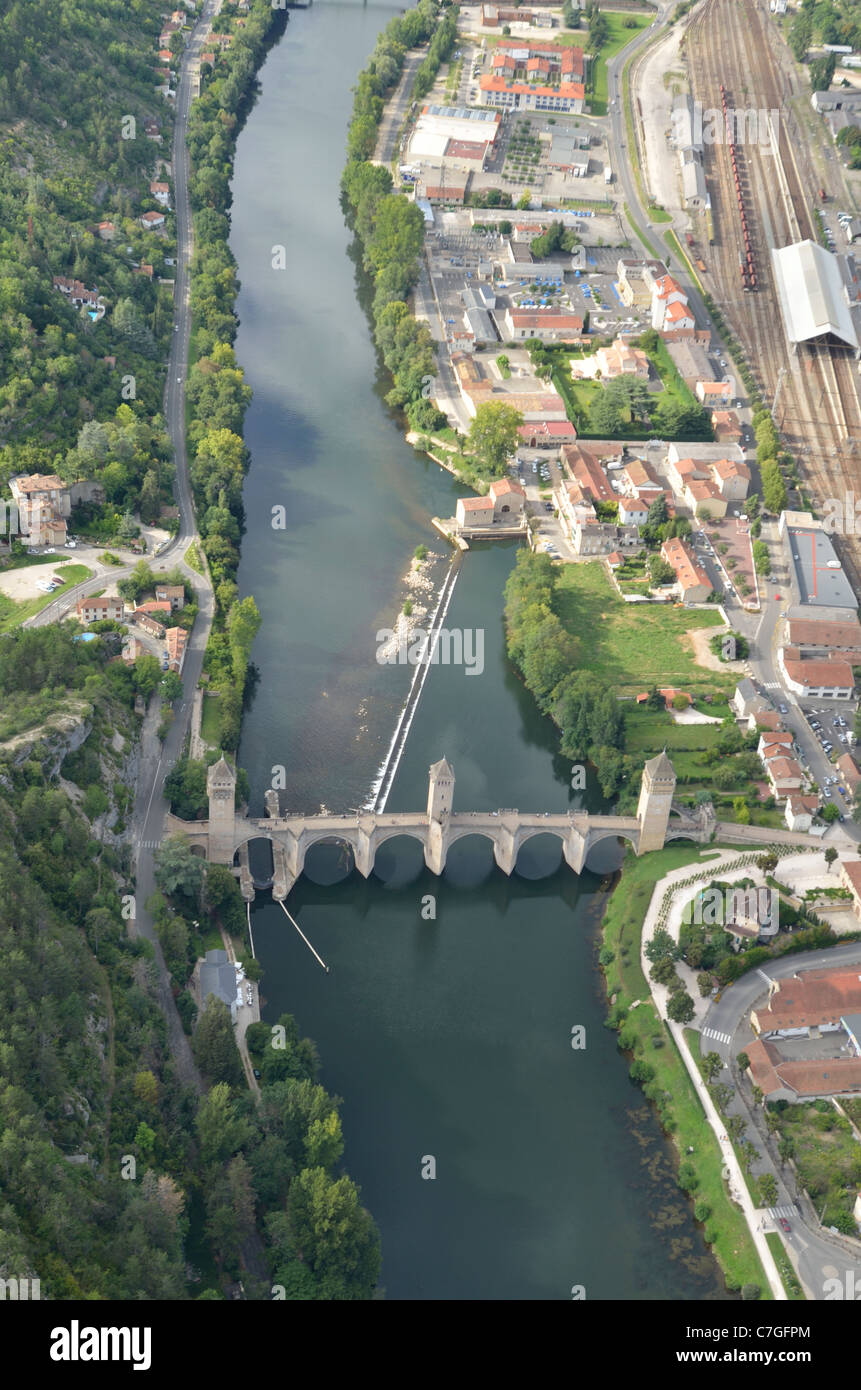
(440, 790)
(656, 799)
(221, 790)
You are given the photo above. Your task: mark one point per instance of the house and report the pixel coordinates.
(632, 512)
(800, 810)
(665, 292)
(614, 560)
(547, 434)
(148, 623)
(638, 475)
(850, 878)
(588, 474)
(43, 502)
(826, 636)
(78, 294)
(509, 501)
(747, 698)
(175, 641)
(678, 318)
(150, 220)
(704, 498)
(165, 55)
(778, 744)
(784, 775)
(850, 771)
(106, 231)
(796, 1081)
(132, 649)
(474, 511)
(550, 325)
(617, 360)
(174, 594)
(151, 130)
(732, 478)
(152, 606)
(636, 281)
(813, 1001)
(715, 393)
(161, 192)
(91, 610)
(218, 977)
(726, 426)
(693, 582)
(764, 719)
(816, 678)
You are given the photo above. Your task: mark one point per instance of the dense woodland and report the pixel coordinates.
(116, 1180)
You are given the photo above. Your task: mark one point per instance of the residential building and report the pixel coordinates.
(147, 623)
(43, 502)
(816, 678)
(817, 634)
(587, 473)
(849, 771)
(106, 231)
(850, 878)
(474, 511)
(785, 775)
(151, 220)
(726, 426)
(632, 512)
(731, 477)
(78, 294)
(799, 811)
(161, 192)
(693, 582)
(91, 610)
(174, 594)
(550, 325)
(747, 698)
(704, 498)
(218, 977)
(715, 393)
(794, 1080)
(509, 501)
(608, 362)
(547, 434)
(153, 606)
(677, 319)
(812, 1001)
(637, 279)
(175, 641)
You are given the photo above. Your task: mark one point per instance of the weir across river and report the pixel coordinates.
(226, 835)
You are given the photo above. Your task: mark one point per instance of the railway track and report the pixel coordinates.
(728, 44)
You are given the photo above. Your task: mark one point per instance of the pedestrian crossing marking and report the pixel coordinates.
(725, 1038)
(776, 1212)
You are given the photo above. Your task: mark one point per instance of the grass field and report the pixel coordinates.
(619, 38)
(209, 721)
(794, 1291)
(726, 1228)
(12, 614)
(628, 646)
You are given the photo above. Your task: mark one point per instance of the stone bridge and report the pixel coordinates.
(226, 834)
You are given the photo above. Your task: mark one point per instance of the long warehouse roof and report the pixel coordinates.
(810, 289)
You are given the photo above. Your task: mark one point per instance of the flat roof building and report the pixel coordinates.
(818, 575)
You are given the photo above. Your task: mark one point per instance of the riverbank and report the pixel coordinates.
(658, 1066)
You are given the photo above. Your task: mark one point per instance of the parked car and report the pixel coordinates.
(784, 1225)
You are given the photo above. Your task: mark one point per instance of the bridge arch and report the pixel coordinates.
(399, 857)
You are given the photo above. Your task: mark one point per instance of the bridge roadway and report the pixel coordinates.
(292, 836)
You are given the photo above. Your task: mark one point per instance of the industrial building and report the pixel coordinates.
(818, 577)
(811, 295)
(454, 133)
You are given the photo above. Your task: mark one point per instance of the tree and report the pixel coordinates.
(221, 1129)
(829, 813)
(661, 946)
(493, 435)
(712, 1065)
(743, 1061)
(215, 1046)
(171, 686)
(830, 855)
(334, 1234)
(680, 1007)
(178, 869)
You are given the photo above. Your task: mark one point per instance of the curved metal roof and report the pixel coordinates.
(810, 290)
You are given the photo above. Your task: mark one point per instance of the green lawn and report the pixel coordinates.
(12, 614)
(629, 645)
(794, 1291)
(726, 1228)
(619, 38)
(209, 725)
(648, 245)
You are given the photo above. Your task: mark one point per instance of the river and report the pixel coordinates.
(446, 1021)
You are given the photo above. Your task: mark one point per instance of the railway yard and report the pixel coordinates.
(762, 196)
